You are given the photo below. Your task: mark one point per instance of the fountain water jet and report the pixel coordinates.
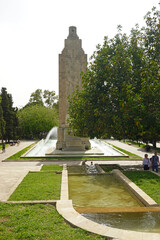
(47, 148)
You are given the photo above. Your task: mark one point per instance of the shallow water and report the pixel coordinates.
(44, 145)
(143, 222)
(90, 191)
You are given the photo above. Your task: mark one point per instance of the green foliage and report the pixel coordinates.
(120, 94)
(50, 98)
(17, 156)
(147, 181)
(38, 186)
(43, 98)
(8, 117)
(36, 98)
(37, 222)
(35, 120)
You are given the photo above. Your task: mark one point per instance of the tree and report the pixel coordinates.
(43, 98)
(151, 81)
(120, 93)
(35, 120)
(50, 97)
(2, 122)
(36, 98)
(9, 116)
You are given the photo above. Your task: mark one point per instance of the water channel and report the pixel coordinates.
(105, 191)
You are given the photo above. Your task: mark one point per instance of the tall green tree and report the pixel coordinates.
(120, 93)
(2, 122)
(35, 120)
(9, 116)
(49, 98)
(36, 98)
(43, 98)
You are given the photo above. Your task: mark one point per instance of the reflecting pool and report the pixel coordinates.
(136, 221)
(91, 191)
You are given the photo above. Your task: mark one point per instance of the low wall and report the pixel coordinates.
(142, 196)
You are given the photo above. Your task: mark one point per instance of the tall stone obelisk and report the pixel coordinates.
(72, 61)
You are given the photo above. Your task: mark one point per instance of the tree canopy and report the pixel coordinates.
(36, 120)
(44, 98)
(8, 117)
(120, 94)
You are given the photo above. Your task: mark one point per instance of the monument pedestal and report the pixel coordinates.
(68, 142)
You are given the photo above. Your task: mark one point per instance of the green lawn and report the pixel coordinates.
(131, 155)
(51, 168)
(35, 222)
(38, 186)
(147, 181)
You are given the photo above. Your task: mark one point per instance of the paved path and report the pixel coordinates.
(12, 173)
(10, 150)
(130, 148)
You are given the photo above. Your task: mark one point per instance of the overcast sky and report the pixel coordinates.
(32, 34)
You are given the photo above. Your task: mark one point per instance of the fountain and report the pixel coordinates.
(42, 146)
(47, 148)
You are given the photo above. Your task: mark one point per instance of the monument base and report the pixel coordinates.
(68, 142)
(55, 152)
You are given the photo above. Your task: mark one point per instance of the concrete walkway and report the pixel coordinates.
(130, 148)
(10, 150)
(12, 173)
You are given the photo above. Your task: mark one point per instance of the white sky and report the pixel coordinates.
(32, 34)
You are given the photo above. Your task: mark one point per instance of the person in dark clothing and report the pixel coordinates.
(155, 162)
(3, 148)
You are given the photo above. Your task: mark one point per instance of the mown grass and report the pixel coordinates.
(17, 156)
(147, 181)
(135, 143)
(131, 155)
(51, 168)
(38, 186)
(37, 222)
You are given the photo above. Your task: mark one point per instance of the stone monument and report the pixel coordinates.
(72, 61)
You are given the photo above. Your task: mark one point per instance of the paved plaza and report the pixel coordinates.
(12, 173)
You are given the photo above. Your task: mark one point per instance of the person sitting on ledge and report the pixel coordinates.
(84, 162)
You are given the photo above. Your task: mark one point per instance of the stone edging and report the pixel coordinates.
(142, 196)
(65, 208)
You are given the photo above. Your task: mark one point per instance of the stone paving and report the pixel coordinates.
(11, 173)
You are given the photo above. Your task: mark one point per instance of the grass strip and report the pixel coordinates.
(131, 155)
(39, 221)
(17, 156)
(147, 181)
(51, 168)
(38, 186)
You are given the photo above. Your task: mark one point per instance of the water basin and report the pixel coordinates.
(135, 221)
(100, 191)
